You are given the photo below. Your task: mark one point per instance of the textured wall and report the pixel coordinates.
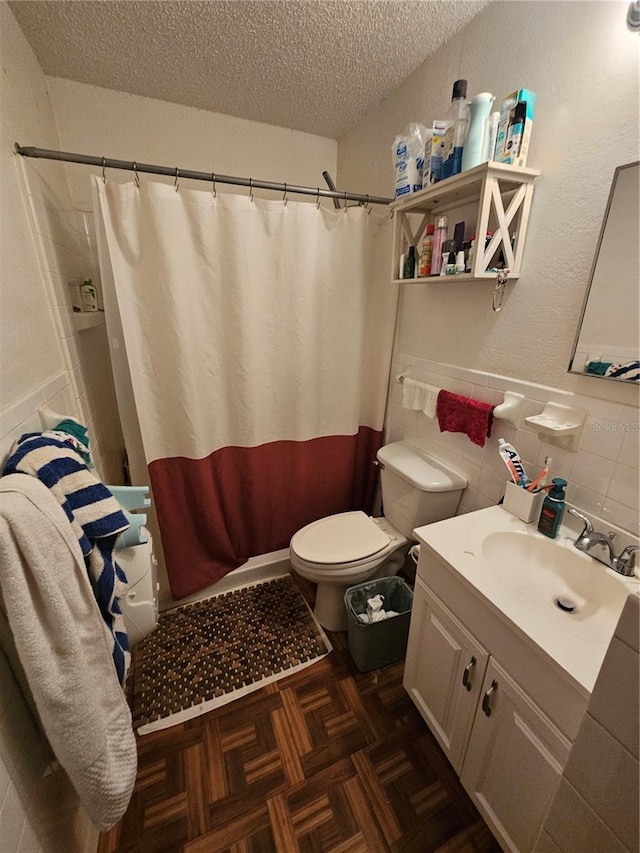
(582, 61)
(100, 121)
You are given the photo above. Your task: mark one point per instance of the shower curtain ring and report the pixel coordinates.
(213, 183)
(251, 188)
(318, 199)
(368, 204)
(104, 176)
(175, 183)
(284, 197)
(345, 200)
(135, 174)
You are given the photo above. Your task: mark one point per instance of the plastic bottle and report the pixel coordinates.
(515, 131)
(553, 509)
(410, 263)
(426, 252)
(479, 110)
(88, 296)
(440, 234)
(490, 134)
(457, 119)
(471, 253)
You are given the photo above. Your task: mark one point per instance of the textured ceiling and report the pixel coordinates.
(311, 65)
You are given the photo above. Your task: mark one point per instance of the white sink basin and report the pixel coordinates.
(564, 601)
(561, 584)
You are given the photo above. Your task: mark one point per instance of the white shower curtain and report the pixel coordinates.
(258, 336)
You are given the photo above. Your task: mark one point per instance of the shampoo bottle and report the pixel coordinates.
(426, 253)
(553, 509)
(88, 296)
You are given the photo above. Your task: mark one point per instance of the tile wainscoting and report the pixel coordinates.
(602, 472)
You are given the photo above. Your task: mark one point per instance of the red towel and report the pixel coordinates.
(462, 414)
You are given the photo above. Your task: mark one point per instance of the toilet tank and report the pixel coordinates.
(416, 488)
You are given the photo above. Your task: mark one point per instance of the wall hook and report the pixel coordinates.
(498, 289)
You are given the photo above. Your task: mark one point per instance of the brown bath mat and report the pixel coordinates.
(206, 654)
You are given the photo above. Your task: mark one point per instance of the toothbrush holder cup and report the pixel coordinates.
(523, 504)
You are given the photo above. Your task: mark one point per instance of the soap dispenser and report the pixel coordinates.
(553, 509)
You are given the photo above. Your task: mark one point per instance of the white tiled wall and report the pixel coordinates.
(67, 253)
(596, 806)
(602, 472)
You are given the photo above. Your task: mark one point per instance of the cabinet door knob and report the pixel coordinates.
(466, 675)
(486, 699)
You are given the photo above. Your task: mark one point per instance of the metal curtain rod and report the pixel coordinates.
(212, 177)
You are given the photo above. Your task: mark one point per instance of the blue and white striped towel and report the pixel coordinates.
(95, 516)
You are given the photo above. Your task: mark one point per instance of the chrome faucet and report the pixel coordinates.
(624, 563)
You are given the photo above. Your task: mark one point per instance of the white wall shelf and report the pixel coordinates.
(501, 196)
(88, 320)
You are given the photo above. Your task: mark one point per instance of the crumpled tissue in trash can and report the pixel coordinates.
(375, 611)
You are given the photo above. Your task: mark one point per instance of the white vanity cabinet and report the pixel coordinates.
(514, 760)
(502, 715)
(443, 674)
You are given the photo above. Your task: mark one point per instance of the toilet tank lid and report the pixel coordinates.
(418, 468)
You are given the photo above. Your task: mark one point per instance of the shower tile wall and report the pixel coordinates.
(67, 254)
(602, 472)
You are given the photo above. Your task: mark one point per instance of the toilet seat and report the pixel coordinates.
(345, 538)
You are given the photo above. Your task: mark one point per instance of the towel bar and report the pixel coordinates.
(508, 410)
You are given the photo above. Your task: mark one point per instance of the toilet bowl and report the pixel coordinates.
(342, 550)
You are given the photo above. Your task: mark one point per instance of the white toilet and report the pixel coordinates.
(346, 549)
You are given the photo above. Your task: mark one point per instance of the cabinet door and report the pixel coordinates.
(443, 673)
(514, 761)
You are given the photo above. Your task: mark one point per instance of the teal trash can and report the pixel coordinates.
(376, 644)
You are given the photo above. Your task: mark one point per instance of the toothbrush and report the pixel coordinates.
(540, 480)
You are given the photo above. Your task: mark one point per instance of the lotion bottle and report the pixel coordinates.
(553, 509)
(88, 296)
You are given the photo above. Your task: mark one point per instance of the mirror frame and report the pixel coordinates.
(585, 302)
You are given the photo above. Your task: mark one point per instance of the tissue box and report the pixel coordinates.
(523, 504)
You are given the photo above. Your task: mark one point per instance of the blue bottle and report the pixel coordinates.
(553, 509)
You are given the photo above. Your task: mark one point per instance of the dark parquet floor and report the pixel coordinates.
(328, 760)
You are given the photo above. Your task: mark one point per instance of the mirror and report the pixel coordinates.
(607, 342)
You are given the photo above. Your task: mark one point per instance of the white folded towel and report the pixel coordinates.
(419, 396)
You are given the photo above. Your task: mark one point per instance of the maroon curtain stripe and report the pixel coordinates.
(239, 502)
